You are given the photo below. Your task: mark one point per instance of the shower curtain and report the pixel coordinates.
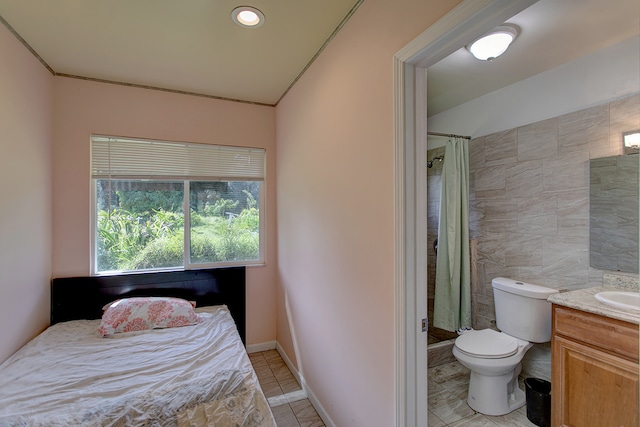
(452, 299)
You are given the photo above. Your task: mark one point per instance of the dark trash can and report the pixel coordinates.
(538, 394)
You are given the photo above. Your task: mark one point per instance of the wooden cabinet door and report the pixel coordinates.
(591, 388)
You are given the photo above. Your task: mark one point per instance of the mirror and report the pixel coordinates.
(613, 213)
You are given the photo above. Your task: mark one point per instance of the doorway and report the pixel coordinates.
(469, 19)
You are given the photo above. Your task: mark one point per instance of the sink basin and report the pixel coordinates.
(626, 300)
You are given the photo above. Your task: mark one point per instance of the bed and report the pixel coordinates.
(195, 375)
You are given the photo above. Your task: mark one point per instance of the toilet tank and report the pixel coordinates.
(522, 309)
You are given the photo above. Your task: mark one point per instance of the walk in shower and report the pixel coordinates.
(434, 180)
(440, 340)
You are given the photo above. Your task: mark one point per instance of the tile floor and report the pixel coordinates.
(288, 401)
(436, 335)
(446, 400)
(447, 389)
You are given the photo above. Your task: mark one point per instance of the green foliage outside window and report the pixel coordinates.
(142, 236)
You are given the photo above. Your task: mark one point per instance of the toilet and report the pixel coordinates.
(523, 317)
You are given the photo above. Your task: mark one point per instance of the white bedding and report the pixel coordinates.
(196, 375)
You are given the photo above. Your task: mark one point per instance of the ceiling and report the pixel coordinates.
(195, 47)
(189, 46)
(552, 32)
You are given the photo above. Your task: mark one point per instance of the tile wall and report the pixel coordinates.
(529, 191)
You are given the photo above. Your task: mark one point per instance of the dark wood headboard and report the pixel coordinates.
(74, 298)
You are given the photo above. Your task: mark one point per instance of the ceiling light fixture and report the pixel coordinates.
(494, 43)
(247, 16)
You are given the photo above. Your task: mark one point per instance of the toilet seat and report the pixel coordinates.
(487, 344)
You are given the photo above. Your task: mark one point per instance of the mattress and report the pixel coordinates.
(197, 375)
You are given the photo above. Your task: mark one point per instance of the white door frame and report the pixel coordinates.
(468, 20)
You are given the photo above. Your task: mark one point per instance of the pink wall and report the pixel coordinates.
(25, 194)
(335, 182)
(84, 107)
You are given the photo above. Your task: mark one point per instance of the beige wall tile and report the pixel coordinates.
(566, 261)
(486, 307)
(524, 179)
(501, 148)
(527, 273)
(476, 153)
(490, 178)
(566, 171)
(499, 216)
(491, 247)
(538, 140)
(584, 130)
(538, 215)
(522, 250)
(573, 212)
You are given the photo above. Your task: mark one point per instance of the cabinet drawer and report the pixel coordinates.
(613, 335)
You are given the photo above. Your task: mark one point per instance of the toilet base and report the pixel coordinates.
(505, 395)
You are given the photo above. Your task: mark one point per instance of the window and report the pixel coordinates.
(140, 191)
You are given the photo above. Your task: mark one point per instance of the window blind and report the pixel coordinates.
(126, 158)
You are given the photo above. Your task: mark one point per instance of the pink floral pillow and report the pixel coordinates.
(141, 313)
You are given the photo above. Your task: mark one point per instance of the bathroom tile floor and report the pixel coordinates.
(289, 403)
(447, 401)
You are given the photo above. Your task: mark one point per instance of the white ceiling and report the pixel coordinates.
(191, 46)
(552, 32)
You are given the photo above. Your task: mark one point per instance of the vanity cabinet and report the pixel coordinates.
(594, 371)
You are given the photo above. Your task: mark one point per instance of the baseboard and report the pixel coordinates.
(328, 422)
(264, 346)
(293, 368)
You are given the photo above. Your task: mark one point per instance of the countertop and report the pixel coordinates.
(584, 299)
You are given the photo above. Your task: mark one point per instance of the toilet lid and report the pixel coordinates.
(487, 343)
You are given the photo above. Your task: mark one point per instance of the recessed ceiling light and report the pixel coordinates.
(247, 16)
(494, 43)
